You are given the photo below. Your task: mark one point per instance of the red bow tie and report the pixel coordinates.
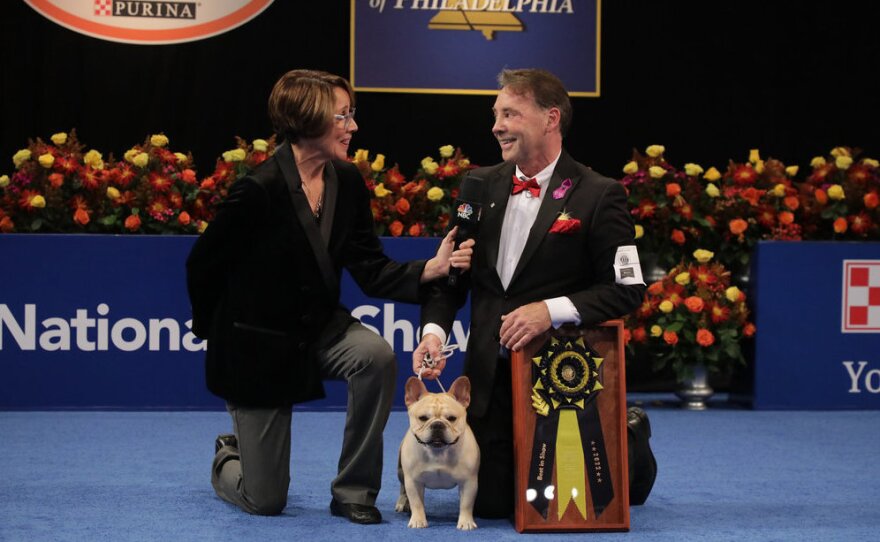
(531, 185)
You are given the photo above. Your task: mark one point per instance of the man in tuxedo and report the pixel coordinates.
(556, 246)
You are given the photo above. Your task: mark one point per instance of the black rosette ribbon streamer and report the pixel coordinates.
(568, 430)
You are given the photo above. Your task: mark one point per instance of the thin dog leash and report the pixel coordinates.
(429, 363)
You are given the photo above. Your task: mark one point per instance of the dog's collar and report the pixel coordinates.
(423, 443)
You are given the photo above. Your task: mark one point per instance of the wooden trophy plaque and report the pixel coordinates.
(569, 431)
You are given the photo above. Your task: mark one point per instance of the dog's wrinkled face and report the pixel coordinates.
(437, 419)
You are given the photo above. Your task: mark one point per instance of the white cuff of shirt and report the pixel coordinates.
(562, 311)
(436, 330)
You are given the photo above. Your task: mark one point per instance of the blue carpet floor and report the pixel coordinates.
(725, 474)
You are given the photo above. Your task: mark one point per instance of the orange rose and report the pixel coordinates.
(396, 228)
(705, 337)
(821, 196)
(737, 226)
(792, 202)
(56, 180)
(6, 224)
(786, 217)
(188, 176)
(415, 230)
(184, 218)
(402, 206)
(639, 334)
(677, 237)
(656, 288)
(871, 200)
(840, 225)
(132, 223)
(81, 217)
(208, 184)
(694, 303)
(749, 329)
(673, 189)
(670, 337)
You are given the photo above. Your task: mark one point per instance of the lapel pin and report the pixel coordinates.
(559, 193)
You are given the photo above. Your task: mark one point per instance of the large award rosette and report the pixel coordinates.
(566, 378)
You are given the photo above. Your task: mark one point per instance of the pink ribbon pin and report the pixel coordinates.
(559, 193)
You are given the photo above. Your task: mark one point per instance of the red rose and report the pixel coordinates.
(81, 217)
(132, 223)
(184, 218)
(396, 228)
(677, 237)
(705, 338)
(670, 337)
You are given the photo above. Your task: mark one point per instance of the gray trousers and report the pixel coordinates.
(256, 476)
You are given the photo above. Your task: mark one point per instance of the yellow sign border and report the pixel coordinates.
(467, 92)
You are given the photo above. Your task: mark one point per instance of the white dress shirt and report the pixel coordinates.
(519, 216)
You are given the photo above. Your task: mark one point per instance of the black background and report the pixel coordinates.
(709, 80)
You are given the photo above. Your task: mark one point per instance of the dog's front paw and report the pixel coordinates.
(417, 523)
(402, 504)
(466, 524)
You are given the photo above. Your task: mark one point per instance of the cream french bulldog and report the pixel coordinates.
(439, 451)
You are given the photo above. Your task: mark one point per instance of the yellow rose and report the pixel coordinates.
(791, 171)
(779, 190)
(754, 156)
(464, 162)
(158, 140)
(843, 162)
(759, 167)
(4, 181)
(640, 231)
(630, 167)
(683, 278)
(692, 170)
(429, 165)
(130, 154)
(656, 331)
(817, 161)
(835, 191)
(655, 151)
(141, 159)
(712, 191)
(46, 160)
(260, 145)
(38, 201)
(361, 155)
(446, 151)
(202, 226)
(181, 158)
(381, 191)
(712, 175)
(235, 155)
(732, 294)
(870, 162)
(840, 151)
(666, 306)
(112, 192)
(435, 193)
(93, 158)
(379, 163)
(59, 139)
(21, 157)
(703, 256)
(656, 172)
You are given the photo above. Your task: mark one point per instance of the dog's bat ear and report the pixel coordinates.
(415, 388)
(461, 390)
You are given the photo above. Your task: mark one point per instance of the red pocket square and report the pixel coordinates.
(566, 225)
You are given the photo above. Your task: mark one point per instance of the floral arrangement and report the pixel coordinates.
(419, 207)
(841, 197)
(692, 316)
(58, 188)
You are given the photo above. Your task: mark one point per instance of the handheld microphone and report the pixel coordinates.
(467, 216)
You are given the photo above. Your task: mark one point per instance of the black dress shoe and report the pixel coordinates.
(642, 465)
(225, 440)
(356, 513)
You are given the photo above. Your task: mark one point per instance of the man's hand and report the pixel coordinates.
(430, 345)
(447, 257)
(522, 325)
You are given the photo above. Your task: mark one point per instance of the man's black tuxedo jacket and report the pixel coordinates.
(578, 265)
(264, 284)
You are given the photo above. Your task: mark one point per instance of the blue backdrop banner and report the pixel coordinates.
(459, 46)
(817, 310)
(93, 321)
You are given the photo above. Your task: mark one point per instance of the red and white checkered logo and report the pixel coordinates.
(861, 296)
(103, 7)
